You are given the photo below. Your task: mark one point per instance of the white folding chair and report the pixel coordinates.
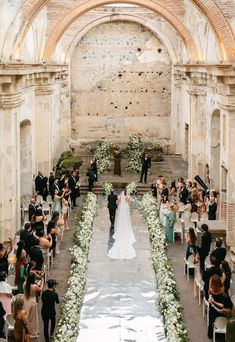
(204, 217)
(2, 339)
(233, 299)
(198, 283)
(188, 264)
(39, 199)
(49, 199)
(46, 208)
(194, 218)
(220, 325)
(178, 230)
(205, 309)
(9, 325)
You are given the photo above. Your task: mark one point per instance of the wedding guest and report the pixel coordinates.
(54, 187)
(21, 260)
(54, 232)
(51, 182)
(170, 222)
(40, 184)
(172, 191)
(212, 208)
(5, 292)
(4, 253)
(37, 222)
(94, 168)
(72, 186)
(205, 245)
(145, 166)
(183, 193)
(226, 275)
(27, 236)
(91, 179)
(2, 319)
(32, 209)
(57, 206)
(30, 291)
(209, 272)
(65, 207)
(191, 240)
(19, 314)
(49, 298)
(219, 252)
(36, 255)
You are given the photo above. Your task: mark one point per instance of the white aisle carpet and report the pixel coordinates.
(119, 304)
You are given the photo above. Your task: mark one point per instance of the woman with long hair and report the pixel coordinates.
(30, 291)
(191, 240)
(219, 301)
(21, 259)
(226, 275)
(19, 314)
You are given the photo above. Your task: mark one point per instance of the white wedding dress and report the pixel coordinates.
(123, 236)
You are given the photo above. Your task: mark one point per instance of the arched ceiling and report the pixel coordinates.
(209, 9)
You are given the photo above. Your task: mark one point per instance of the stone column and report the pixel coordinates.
(10, 171)
(197, 118)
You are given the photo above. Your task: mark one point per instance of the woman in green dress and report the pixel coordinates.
(21, 260)
(170, 222)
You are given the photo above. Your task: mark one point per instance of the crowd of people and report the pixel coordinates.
(211, 268)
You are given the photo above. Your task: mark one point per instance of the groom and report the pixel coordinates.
(112, 206)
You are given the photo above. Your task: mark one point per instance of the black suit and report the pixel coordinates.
(40, 185)
(72, 185)
(220, 254)
(145, 165)
(183, 195)
(35, 254)
(212, 211)
(32, 210)
(28, 238)
(49, 298)
(51, 183)
(112, 206)
(204, 249)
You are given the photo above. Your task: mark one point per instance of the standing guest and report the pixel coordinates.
(5, 292)
(209, 272)
(53, 231)
(170, 222)
(145, 166)
(212, 208)
(62, 180)
(57, 205)
(94, 168)
(2, 320)
(205, 245)
(27, 236)
(112, 206)
(72, 185)
(191, 240)
(219, 252)
(91, 179)
(172, 192)
(226, 275)
(36, 255)
(49, 298)
(30, 291)
(165, 191)
(40, 184)
(32, 209)
(54, 187)
(4, 252)
(183, 193)
(37, 222)
(19, 314)
(65, 206)
(21, 259)
(117, 161)
(51, 181)
(78, 178)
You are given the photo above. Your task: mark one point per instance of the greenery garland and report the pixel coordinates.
(68, 325)
(167, 295)
(135, 150)
(103, 155)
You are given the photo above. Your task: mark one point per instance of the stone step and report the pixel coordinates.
(98, 188)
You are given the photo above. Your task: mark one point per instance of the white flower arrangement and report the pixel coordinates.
(107, 188)
(68, 325)
(167, 295)
(135, 150)
(103, 155)
(131, 189)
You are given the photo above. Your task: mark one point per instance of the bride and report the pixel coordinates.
(123, 236)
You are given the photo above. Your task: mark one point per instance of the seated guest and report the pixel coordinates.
(219, 252)
(5, 292)
(191, 240)
(38, 221)
(212, 208)
(21, 259)
(20, 327)
(27, 236)
(4, 252)
(218, 301)
(209, 272)
(226, 275)
(205, 245)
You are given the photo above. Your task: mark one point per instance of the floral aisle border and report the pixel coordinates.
(131, 189)
(135, 150)
(167, 295)
(103, 155)
(107, 188)
(68, 325)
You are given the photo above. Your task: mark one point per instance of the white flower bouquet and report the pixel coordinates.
(135, 150)
(68, 325)
(167, 295)
(103, 155)
(131, 189)
(107, 188)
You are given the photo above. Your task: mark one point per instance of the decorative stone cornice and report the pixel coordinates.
(10, 100)
(196, 90)
(44, 89)
(227, 102)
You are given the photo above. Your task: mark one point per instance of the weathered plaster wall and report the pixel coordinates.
(120, 83)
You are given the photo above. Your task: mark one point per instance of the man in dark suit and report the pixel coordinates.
(219, 252)
(27, 236)
(51, 181)
(35, 254)
(91, 178)
(183, 194)
(145, 165)
(205, 245)
(73, 187)
(112, 206)
(55, 186)
(40, 184)
(212, 208)
(32, 209)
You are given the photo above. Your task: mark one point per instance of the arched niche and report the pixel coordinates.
(25, 158)
(215, 150)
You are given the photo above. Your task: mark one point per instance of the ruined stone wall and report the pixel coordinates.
(120, 83)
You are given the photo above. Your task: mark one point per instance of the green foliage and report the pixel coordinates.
(67, 162)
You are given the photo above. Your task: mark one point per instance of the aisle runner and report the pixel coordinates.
(120, 300)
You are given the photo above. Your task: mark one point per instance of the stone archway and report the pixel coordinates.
(26, 172)
(215, 150)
